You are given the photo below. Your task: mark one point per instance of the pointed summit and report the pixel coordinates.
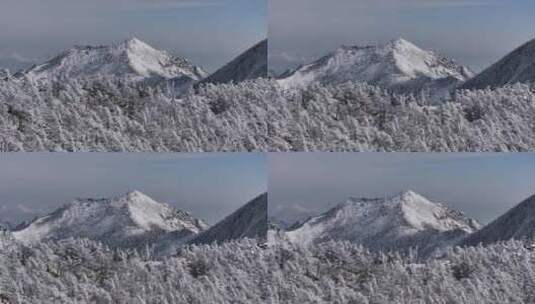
(132, 60)
(402, 43)
(251, 64)
(410, 194)
(394, 223)
(399, 65)
(249, 221)
(129, 220)
(134, 40)
(136, 45)
(136, 194)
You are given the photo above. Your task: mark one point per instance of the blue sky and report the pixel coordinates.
(210, 186)
(483, 186)
(208, 32)
(474, 32)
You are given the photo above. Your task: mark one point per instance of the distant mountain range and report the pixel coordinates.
(135, 220)
(132, 59)
(398, 222)
(131, 220)
(408, 220)
(394, 223)
(399, 65)
(402, 67)
(135, 60)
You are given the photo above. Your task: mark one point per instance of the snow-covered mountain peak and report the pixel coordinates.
(407, 218)
(131, 59)
(134, 42)
(398, 65)
(401, 44)
(410, 198)
(412, 210)
(410, 193)
(421, 213)
(130, 218)
(136, 193)
(135, 197)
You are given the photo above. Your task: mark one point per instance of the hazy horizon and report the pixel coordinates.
(483, 186)
(210, 186)
(474, 33)
(209, 33)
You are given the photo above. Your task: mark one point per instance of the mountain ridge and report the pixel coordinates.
(130, 220)
(517, 223)
(249, 221)
(131, 59)
(516, 67)
(398, 222)
(250, 64)
(398, 65)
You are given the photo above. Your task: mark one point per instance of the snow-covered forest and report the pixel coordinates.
(341, 272)
(83, 271)
(114, 115)
(358, 117)
(111, 115)
(246, 271)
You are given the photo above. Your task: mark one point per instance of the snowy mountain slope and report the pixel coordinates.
(251, 64)
(132, 59)
(131, 220)
(250, 221)
(517, 66)
(399, 65)
(518, 223)
(399, 222)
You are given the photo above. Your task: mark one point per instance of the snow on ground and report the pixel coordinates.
(245, 271)
(114, 115)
